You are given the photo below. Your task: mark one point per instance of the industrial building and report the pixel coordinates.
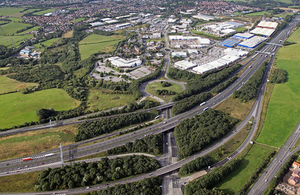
(228, 31)
(235, 52)
(252, 42)
(96, 24)
(193, 51)
(179, 54)
(204, 17)
(188, 41)
(124, 25)
(122, 63)
(266, 24)
(185, 65)
(263, 31)
(217, 64)
(245, 35)
(230, 42)
(219, 27)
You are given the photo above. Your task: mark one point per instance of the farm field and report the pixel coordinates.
(78, 20)
(46, 43)
(102, 101)
(15, 19)
(44, 12)
(153, 87)
(295, 37)
(31, 29)
(284, 108)
(9, 11)
(95, 43)
(235, 180)
(19, 183)
(8, 85)
(6, 40)
(13, 27)
(17, 108)
(68, 34)
(258, 14)
(25, 144)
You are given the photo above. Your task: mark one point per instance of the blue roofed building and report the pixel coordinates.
(230, 42)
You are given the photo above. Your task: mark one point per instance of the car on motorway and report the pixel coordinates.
(266, 180)
(87, 188)
(26, 166)
(99, 187)
(17, 171)
(266, 171)
(165, 122)
(42, 163)
(7, 172)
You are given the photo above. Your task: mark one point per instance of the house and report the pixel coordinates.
(293, 180)
(296, 165)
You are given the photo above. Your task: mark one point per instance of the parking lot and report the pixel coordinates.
(135, 74)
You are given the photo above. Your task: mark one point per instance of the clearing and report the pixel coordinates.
(96, 43)
(153, 87)
(98, 99)
(17, 108)
(284, 109)
(8, 85)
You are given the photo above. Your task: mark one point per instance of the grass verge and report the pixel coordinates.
(24, 182)
(25, 144)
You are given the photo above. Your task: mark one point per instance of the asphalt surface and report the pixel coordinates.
(171, 123)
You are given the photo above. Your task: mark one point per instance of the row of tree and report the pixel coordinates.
(147, 186)
(195, 165)
(209, 180)
(194, 134)
(224, 85)
(152, 144)
(84, 174)
(278, 76)
(89, 130)
(131, 107)
(196, 86)
(250, 89)
(190, 102)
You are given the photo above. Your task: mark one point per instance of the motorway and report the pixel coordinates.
(170, 124)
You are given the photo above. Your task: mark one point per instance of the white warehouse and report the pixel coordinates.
(122, 63)
(185, 65)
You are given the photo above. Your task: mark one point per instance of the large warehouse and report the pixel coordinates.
(263, 31)
(230, 42)
(184, 65)
(190, 41)
(217, 64)
(122, 63)
(245, 35)
(253, 42)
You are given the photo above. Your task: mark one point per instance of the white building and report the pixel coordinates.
(96, 24)
(122, 63)
(263, 31)
(185, 65)
(179, 54)
(202, 41)
(217, 64)
(155, 36)
(193, 51)
(235, 52)
(204, 17)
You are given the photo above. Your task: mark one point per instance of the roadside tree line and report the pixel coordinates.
(84, 174)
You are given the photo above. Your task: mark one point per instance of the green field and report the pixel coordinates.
(44, 12)
(102, 101)
(258, 14)
(9, 11)
(15, 19)
(204, 34)
(237, 13)
(240, 29)
(6, 40)
(31, 29)
(78, 20)
(13, 27)
(95, 43)
(235, 180)
(45, 43)
(284, 106)
(153, 87)
(8, 85)
(19, 183)
(17, 108)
